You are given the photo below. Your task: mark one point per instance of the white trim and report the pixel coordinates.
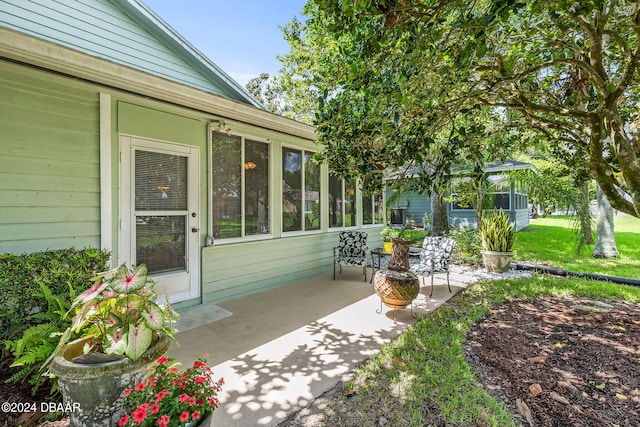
(32, 50)
(106, 205)
(128, 213)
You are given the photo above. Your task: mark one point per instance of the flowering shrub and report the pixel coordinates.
(172, 397)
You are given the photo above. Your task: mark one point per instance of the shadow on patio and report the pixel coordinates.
(286, 346)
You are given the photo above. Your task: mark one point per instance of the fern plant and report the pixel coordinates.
(38, 341)
(497, 232)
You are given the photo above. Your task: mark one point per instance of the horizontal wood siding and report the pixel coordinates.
(522, 219)
(100, 28)
(49, 163)
(237, 269)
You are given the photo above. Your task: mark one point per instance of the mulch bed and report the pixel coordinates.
(561, 362)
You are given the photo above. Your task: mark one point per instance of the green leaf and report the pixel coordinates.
(138, 340)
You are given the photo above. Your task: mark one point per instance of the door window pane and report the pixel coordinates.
(160, 181)
(160, 243)
(226, 185)
(311, 193)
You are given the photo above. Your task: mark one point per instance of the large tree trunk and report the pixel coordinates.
(439, 219)
(605, 239)
(584, 216)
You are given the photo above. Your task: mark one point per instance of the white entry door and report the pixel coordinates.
(160, 217)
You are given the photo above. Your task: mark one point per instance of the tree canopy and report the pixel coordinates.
(400, 80)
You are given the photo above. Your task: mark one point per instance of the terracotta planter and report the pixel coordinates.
(94, 391)
(497, 262)
(400, 255)
(396, 289)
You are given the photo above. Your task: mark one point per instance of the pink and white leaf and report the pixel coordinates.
(138, 341)
(91, 293)
(154, 317)
(127, 281)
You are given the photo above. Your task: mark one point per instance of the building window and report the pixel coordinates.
(300, 209)
(342, 202)
(240, 186)
(372, 208)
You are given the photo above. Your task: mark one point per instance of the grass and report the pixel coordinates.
(553, 241)
(424, 371)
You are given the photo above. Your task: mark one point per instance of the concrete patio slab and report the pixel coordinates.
(282, 348)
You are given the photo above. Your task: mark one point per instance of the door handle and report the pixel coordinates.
(194, 230)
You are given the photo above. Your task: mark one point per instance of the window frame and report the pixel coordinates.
(303, 192)
(210, 199)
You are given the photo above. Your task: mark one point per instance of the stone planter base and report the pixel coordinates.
(94, 391)
(497, 262)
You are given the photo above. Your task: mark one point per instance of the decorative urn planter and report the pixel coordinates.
(94, 391)
(397, 287)
(497, 262)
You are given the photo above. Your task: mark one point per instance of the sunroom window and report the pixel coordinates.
(240, 186)
(372, 208)
(342, 202)
(300, 208)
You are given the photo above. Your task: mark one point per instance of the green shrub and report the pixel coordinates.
(36, 294)
(22, 275)
(468, 244)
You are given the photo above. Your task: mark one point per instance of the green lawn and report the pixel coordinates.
(424, 370)
(553, 241)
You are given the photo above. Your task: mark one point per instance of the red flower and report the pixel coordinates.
(195, 415)
(200, 380)
(184, 416)
(127, 392)
(173, 370)
(154, 408)
(199, 364)
(124, 420)
(192, 401)
(161, 394)
(152, 381)
(140, 414)
(183, 397)
(163, 421)
(163, 360)
(140, 386)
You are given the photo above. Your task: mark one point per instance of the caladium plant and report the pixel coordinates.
(119, 314)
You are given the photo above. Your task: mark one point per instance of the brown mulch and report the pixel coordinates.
(581, 356)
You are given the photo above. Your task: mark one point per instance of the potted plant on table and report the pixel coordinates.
(117, 334)
(497, 234)
(388, 234)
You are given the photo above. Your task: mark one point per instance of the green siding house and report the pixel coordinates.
(117, 133)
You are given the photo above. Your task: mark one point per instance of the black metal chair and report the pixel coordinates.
(351, 251)
(435, 257)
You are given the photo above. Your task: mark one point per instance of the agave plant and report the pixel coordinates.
(497, 232)
(119, 314)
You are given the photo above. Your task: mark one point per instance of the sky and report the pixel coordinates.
(242, 37)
